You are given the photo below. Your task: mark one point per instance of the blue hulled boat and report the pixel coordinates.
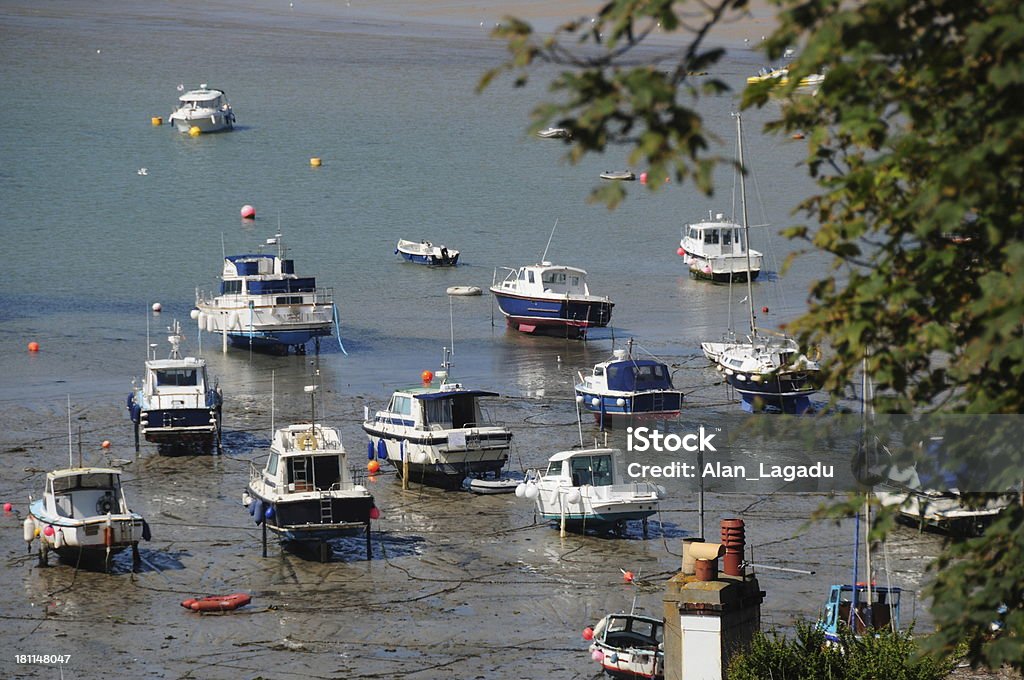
(549, 298)
(425, 252)
(627, 386)
(264, 304)
(176, 406)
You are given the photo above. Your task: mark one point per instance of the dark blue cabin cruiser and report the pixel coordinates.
(627, 386)
(264, 304)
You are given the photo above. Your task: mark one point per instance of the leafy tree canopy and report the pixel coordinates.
(916, 141)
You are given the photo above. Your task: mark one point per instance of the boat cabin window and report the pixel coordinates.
(451, 413)
(593, 470)
(553, 277)
(230, 287)
(95, 480)
(530, 275)
(739, 237)
(598, 371)
(293, 300)
(272, 464)
(522, 274)
(554, 470)
(309, 473)
(711, 236)
(727, 237)
(401, 404)
(177, 377)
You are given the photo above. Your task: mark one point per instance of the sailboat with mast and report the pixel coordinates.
(768, 369)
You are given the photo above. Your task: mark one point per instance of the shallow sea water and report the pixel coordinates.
(459, 586)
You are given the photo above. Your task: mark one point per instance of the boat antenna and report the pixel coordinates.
(746, 224)
(273, 375)
(544, 257)
(579, 420)
(223, 248)
(451, 323)
(311, 391)
(71, 455)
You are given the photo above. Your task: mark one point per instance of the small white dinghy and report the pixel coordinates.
(491, 486)
(622, 175)
(465, 290)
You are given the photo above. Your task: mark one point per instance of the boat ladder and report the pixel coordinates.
(326, 508)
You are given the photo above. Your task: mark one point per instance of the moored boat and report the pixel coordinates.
(717, 249)
(425, 252)
(176, 407)
(629, 646)
(582, 489)
(621, 175)
(549, 298)
(437, 434)
(626, 386)
(554, 133)
(84, 517)
(206, 109)
(262, 303)
(305, 492)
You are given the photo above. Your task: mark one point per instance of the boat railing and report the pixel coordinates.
(254, 472)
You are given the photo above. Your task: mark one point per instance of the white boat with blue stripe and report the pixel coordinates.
(425, 252)
(627, 386)
(264, 304)
(550, 298)
(583, 489)
(437, 434)
(176, 407)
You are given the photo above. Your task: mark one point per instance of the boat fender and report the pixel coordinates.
(146, 533)
(574, 497)
(58, 538)
(369, 450)
(257, 511)
(28, 530)
(382, 449)
(105, 505)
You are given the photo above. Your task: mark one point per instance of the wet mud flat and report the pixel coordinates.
(459, 586)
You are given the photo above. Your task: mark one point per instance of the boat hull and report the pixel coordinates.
(277, 339)
(307, 518)
(640, 404)
(788, 392)
(86, 540)
(214, 121)
(432, 462)
(430, 260)
(571, 317)
(723, 277)
(179, 426)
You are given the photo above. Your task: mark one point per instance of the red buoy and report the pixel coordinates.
(248, 212)
(680, 251)
(33, 346)
(764, 309)
(427, 377)
(628, 576)
(373, 466)
(588, 633)
(374, 513)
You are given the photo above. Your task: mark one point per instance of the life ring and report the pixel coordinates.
(306, 442)
(105, 505)
(217, 603)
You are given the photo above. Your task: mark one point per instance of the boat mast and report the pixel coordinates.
(746, 225)
(544, 257)
(71, 453)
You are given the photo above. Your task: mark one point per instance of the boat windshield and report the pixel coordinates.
(92, 480)
(554, 469)
(454, 413)
(177, 377)
(592, 470)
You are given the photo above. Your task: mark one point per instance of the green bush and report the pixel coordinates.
(886, 655)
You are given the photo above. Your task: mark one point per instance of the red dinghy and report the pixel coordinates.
(217, 603)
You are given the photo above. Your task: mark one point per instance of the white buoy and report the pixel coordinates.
(194, 314)
(157, 307)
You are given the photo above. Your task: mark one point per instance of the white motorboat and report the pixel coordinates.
(306, 491)
(264, 304)
(621, 175)
(437, 434)
(583, 489)
(425, 252)
(554, 133)
(176, 406)
(780, 76)
(629, 646)
(464, 290)
(628, 386)
(716, 249)
(84, 517)
(206, 109)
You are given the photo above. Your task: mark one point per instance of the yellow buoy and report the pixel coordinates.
(156, 120)
(194, 131)
(315, 162)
